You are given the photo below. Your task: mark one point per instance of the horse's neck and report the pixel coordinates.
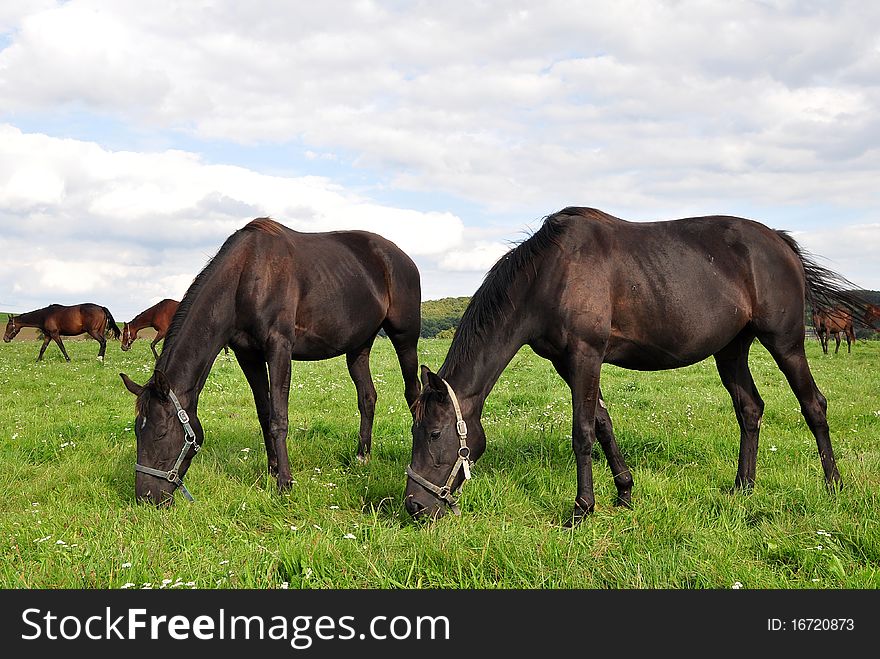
(473, 374)
(139, 322)
(31, 318)
(189, 354)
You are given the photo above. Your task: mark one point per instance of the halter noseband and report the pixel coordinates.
(463, 462)
(173, 475)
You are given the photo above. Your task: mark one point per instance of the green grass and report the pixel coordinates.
(68, 520)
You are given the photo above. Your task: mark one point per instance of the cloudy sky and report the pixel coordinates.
(135, 137)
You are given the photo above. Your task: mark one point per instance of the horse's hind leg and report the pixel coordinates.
(253, 365)
(406, 346)
(792, 361)
(153, 347)
(359, 368)
(733, 367)
(97, 336)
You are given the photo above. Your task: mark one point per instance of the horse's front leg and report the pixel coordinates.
(623, 479)
(585, 367)
(278, 358)
(359, 368)
(57, 339)
(46, 340)
(253, 365)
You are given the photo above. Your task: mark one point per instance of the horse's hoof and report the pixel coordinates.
(624, 501)
(580, 511)
(363, 459)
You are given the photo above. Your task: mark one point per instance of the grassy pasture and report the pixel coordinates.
(68, 520)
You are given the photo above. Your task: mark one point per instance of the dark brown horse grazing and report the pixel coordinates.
(158, 317)
(588, 288)
(275, 295)
(831, 323)
(58, 320)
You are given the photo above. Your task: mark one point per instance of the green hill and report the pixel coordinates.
(442, 315)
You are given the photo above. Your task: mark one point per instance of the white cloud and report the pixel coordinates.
(649, 110)
(477, 258)
(80, 219)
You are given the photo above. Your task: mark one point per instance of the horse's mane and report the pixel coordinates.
(264, 224)
(491, 303)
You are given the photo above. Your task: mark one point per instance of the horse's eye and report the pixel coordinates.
(435, 434)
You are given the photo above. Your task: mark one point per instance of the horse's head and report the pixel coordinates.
(165, 446)
(446, 440)
(128, 336)
(11, 329)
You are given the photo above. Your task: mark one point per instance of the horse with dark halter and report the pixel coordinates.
(833, 323)
(58, 320)
(275, 295)
(588, 288)
(158, 317)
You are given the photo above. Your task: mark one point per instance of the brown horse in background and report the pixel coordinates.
(872, 317)
(58, 320)
(833, 322)
(158, 317)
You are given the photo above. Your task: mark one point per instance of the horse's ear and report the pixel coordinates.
(160, 383)
(131, 385)
(432, 380)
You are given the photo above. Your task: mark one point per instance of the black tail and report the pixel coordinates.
(825, 289)
(111, 325)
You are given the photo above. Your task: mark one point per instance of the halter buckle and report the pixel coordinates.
(183, 416)
(461, 428)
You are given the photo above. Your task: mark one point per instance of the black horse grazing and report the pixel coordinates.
(588, 288)
(58, 320)
(275, 295)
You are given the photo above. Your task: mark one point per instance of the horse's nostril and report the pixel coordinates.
(413, 507)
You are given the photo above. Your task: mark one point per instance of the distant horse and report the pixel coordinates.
(820, 329)
(833, 322)
(58, 320)
(872, 317)
(588, 288)
(158, 317)
(275, 295)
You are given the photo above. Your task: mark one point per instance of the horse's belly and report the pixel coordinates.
(655, 356)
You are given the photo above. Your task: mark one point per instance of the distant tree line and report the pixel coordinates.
(441, 317)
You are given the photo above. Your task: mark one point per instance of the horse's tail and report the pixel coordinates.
(111, 325)
(826, 289)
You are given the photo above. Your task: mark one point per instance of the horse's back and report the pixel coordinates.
(332, 289)
(669, 293)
